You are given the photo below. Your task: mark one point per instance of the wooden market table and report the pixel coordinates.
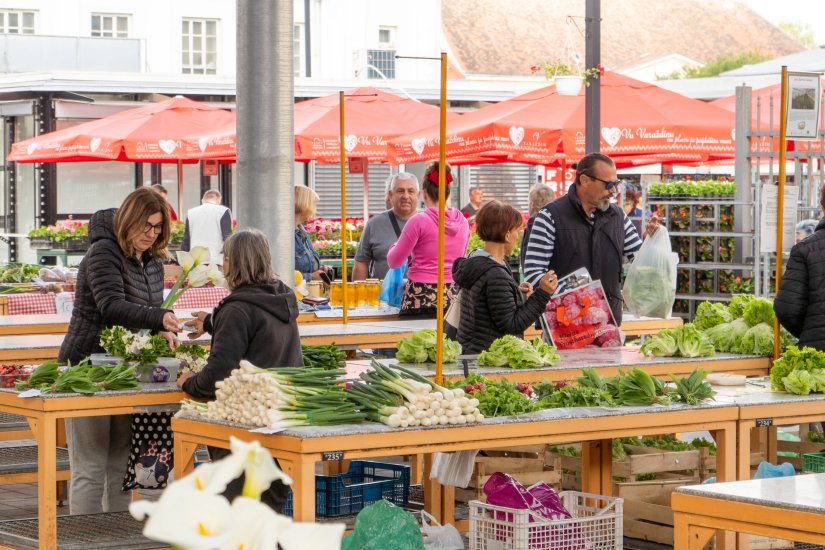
(299, 449)
(790, 508)
(43, 413)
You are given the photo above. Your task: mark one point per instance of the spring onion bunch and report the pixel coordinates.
(399, 398)
(280, 398)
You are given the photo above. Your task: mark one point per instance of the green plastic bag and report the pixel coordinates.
(384, 526)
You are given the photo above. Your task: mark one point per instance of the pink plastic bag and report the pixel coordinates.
(502, 490)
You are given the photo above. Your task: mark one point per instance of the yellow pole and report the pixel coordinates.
(344, 292)
(442, 183)
(783, 126)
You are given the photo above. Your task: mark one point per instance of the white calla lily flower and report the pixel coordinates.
(200, 254)
(318, 536)
(199, 276)
(186, 518)
(186, 261)
(215, 276)
(256, 526)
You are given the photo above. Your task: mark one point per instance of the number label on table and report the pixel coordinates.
(332, 455)
(764, 422)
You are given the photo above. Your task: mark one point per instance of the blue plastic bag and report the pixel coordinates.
(392, 289)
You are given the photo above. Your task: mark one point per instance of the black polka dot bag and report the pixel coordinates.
(150, 456)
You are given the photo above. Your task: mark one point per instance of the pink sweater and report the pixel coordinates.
(419, 239)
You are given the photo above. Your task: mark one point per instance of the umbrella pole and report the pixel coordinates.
(180, 188)
(344, 293)
(442, 181)
(780, 200)
(366, 176)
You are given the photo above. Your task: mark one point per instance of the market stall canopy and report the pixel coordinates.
(766, 108)
(176, 130)
(641, 123)
(372, 117)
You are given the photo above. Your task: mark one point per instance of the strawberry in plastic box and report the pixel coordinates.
(581, 317)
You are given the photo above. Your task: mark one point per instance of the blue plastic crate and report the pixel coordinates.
(364, 483)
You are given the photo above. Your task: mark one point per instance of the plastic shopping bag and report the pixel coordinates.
(650, 286)
(439, 537)
(383, 525)
(392, 289)
(581, 317)
(454, 469)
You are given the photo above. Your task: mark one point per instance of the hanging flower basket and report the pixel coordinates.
(569, 85)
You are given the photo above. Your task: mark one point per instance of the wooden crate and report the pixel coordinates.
(799, 448)
(526, 464)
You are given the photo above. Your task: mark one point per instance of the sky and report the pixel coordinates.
(811, 12)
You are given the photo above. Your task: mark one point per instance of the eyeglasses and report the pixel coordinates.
(156, 229)
(607, 184)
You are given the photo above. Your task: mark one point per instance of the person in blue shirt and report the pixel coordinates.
(307, 259)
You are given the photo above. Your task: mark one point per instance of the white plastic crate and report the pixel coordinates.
(596, 525)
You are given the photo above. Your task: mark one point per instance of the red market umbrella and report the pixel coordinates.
(174, 130)
(638, 121)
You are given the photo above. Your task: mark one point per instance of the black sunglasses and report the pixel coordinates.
(607, 184)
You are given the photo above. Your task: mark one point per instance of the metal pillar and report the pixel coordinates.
(265, 126)
(743, 210)
(592, 57)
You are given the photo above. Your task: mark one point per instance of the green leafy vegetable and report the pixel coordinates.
(691, 342)
(694, 388)
(799, 382)
(649, 291)
(758, 310)
(737, 304)
(420, 348)
(710, 314)
(794, 358)
(758, 340)
(728, 335)
(516, 353)
(660, 345)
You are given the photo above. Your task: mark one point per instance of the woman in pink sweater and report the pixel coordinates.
(419, 242)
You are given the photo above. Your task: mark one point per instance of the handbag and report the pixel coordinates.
(452, 317)
(151, 458)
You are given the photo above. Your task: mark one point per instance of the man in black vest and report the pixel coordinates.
(584, 229)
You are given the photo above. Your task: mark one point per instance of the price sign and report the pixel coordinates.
(764, 422)
(332, 455)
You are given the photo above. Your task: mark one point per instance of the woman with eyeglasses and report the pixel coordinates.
(120, 282)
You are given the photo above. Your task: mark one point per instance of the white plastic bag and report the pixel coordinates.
(650, 286)
(439, 537)
(453, 469)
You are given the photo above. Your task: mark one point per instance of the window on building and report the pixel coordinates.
(16, 22)
(199, 46)
(298, 50)
(110, 25)
(382, 58)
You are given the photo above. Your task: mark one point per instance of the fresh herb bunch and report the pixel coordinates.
(694, 388)
(132, 347)
(327, 356)
(82, 378)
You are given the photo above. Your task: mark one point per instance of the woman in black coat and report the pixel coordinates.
(800, 302)
(492, 304)
(257, 321)
(120, 282)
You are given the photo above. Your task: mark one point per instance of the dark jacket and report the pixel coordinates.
(307, 259)
(491, 303)
(258, 323)
(599, 246)
(800, 303)
(112, 289)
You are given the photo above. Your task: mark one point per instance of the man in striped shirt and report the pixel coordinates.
(584, 229)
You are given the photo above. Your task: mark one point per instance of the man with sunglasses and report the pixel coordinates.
(585, 229)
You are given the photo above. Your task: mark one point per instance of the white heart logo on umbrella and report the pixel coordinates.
(203, 143)
(32, 148)
(516, 134)
(733, 134)
(168, 146)
(612, 135)
(94, 143)
(418, 145)
(350, 142)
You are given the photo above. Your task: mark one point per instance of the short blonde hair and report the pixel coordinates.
(540, 194)
(305, 201)
(250, 263)
(132, 217)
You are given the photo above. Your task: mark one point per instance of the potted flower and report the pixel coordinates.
(567, 82)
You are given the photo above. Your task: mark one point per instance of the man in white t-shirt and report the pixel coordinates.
(208, 225)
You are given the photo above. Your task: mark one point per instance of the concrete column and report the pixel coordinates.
(265, 126)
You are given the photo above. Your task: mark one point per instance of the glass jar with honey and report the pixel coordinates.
(336, 291)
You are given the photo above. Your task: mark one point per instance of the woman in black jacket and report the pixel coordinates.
(800, 302)
(120, 282)
(258, 322)
(492, 304)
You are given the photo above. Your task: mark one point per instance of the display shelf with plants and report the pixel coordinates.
(700, 218)
(64, 235)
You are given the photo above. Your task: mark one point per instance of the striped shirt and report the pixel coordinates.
(541, 245)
